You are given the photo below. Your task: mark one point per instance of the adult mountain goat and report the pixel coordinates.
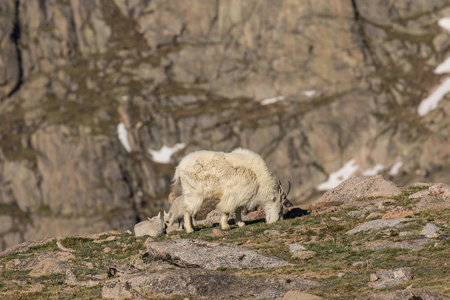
(238, 179)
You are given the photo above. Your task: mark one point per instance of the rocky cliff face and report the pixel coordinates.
(345, 79)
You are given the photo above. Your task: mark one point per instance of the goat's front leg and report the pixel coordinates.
(239, 221)
(188, 222)
(224, 222)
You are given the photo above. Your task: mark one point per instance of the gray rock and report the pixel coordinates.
(361, 187)
(214, 255)
(430, 231)
(293, 248)
(379, 224)
(410, 245)
(436, 196)
(201, 283)
(49, 266)
(35, 262)
(387, 278)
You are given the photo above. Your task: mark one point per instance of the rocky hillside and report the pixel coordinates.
(357, 245)
(313, 86)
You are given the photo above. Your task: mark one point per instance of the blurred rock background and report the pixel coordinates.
(313, 86)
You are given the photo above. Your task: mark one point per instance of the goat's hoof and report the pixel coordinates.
(189, 230)
(241, 224)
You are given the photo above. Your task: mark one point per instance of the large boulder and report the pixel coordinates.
(200, 283)
(215, 255)
(361, 187)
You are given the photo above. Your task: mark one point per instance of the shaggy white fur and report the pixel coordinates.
(238, 179)
(176, 212)
(153, 227)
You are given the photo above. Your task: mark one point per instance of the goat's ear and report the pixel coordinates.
(165, 214)
(159, 215)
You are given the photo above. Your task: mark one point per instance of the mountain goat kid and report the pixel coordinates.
(238, 179)
(176, 212)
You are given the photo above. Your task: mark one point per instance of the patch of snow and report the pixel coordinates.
(123, 136)
(430, 103)
(339, 176)
(164, 155)
(374, 171)
(395, 168)
(309, 93)
(443, 67)
(445, 23)
(271, 100)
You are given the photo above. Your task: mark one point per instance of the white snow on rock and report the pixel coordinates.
(374, 171)
(164, 155)
(395, 168)
(339, 176)
(123, 136)
(430, 103)
(443, 67)
(272, 100)
(309, 93)
(445, 23)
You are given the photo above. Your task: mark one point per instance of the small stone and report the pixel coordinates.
(70, 276)
(175, 236)
(430, 231)
(379, 224)
(107, 250)
(340, 275)
(304, 255)
(110, 238)
(128, 231)
(90, 265)
(373, 277)
(294, 248)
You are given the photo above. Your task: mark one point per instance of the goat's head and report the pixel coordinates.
(283, 196)
(167, 218)
(274, 210)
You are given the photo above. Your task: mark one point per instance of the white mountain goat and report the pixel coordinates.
(238, 179)
(176, 212)
(153, 227)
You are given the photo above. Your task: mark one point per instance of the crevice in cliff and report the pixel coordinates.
(15, 37)
(361, 31)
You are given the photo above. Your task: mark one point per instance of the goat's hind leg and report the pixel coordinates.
(238, 219)
(224, 222)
